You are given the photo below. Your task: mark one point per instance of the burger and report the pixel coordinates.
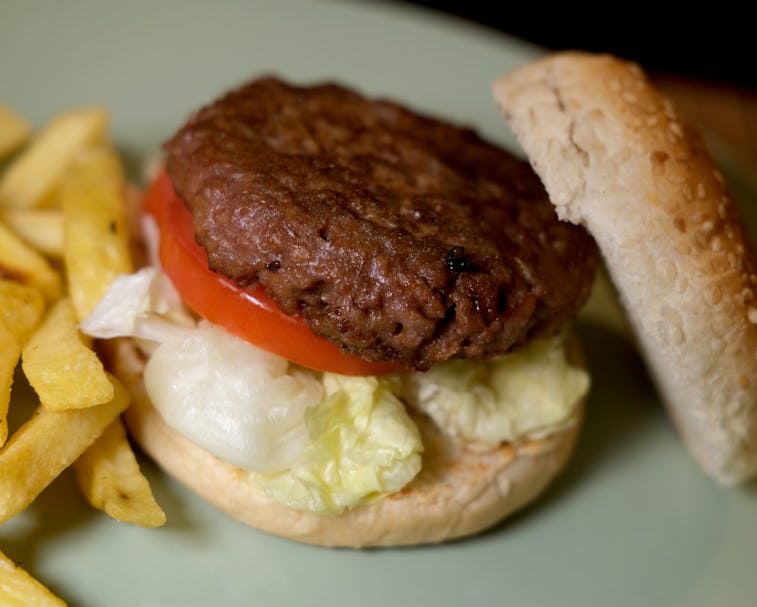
(353, 328)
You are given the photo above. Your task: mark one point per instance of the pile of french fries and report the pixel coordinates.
(63, 239)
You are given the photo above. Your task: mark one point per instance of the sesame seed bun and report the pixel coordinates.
(616, 158)
(459, 492)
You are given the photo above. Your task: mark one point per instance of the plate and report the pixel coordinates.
(631, 522)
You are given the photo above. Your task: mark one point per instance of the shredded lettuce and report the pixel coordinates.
(143, 305)
(239, 402)
(363, 445)
(323, 442)
(523, 393)
(338, 441)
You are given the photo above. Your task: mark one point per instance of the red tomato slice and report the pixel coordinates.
(247, 313)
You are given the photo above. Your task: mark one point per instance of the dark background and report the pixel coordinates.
(711, 40)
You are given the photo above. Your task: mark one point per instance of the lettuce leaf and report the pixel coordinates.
(323, 442)
(239, 402)
(530, 391)
(362, 445)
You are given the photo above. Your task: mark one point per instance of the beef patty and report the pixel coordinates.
(394, 235)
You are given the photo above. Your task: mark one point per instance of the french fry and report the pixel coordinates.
(63, 197)
(10, 350)
(62, 369)
(22, 263)
(41, 228)
(21, 307)
(110, 479)
(19, 589)
(31, 179)
(96, 240)
(47, 444)
(14, 131)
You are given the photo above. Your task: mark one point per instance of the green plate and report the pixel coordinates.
(631, 522)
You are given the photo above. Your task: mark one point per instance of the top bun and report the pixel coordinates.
(616, 158)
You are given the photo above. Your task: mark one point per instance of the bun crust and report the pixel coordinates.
(615, 157)
(457, 493)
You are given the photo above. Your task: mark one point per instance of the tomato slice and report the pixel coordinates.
(247, 313)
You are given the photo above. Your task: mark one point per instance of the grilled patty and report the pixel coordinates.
(394, 235)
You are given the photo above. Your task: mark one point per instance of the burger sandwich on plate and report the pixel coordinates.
(353, 328)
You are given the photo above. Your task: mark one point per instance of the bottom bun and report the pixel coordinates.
(458, 492)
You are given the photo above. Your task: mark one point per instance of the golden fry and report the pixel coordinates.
(10, 350)
(62, 197)
(14, 131)
(96, 240)
(20, 262)
(19, 589)
(47, 444)
(21, 307)
(31, 179)
(41, 228)
(110, 479)
(62, 369)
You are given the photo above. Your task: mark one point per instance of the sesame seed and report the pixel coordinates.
(752, 315)
(669, 270)
(701, 190)
(659, 157)
(719, 264)
(671, 205)
(683, 247)
(714, 295)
